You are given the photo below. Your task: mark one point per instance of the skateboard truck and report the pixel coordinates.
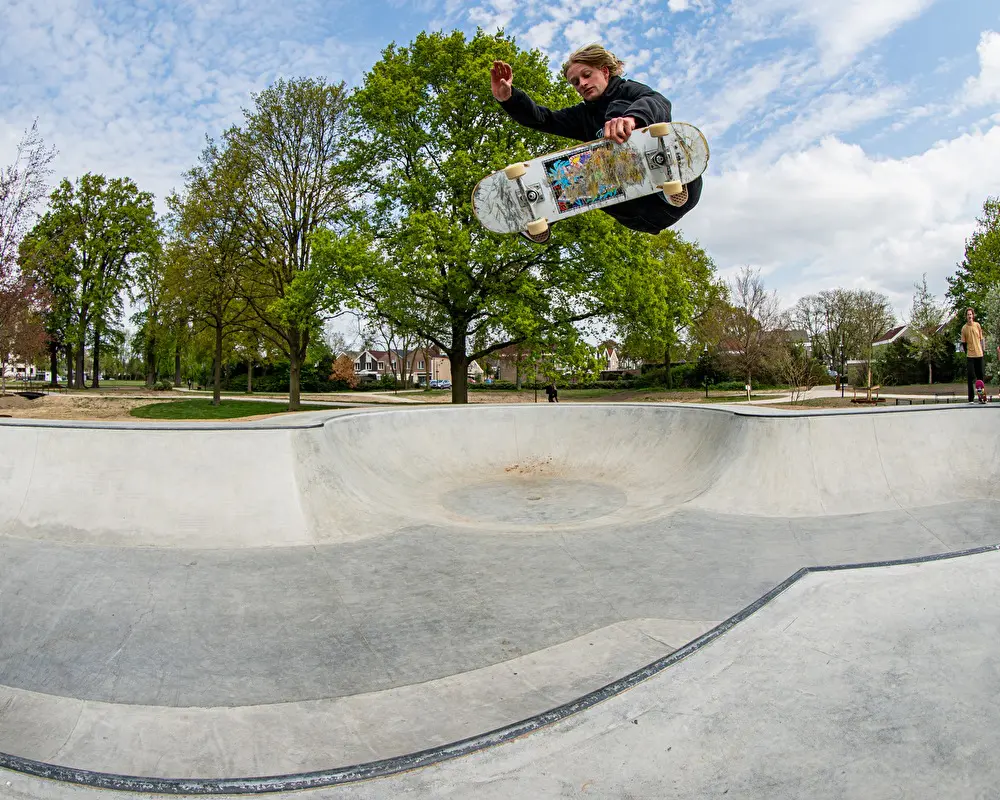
(530, 196)
(660, 158)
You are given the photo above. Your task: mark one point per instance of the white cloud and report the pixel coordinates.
(831, 114)
(541, 35)
(985, 88)
(843, 28)
(132, 89)
(834, 216)
(579, 33)
(678, 5)
(742, 96)
(497, 15)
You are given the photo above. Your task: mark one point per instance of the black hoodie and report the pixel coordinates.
(585, 121)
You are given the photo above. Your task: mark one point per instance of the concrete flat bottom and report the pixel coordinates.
(330, 604)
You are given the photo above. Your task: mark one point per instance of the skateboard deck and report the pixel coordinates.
(592, 175)
(981, 391)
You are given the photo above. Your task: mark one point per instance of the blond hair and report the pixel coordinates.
(594, 55)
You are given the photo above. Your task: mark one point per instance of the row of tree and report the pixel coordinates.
(325, 201)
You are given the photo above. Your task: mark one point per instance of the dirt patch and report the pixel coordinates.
(821, 402)
(61, 406)
(105, 408)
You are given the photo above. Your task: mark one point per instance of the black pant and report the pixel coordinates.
(652, 213)
(974, 371)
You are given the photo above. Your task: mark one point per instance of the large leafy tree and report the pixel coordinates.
(207, 260)
(681, 287)
(979, 270)
(290, 180)
(428, 130)
(86, 247)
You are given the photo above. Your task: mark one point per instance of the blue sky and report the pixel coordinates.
(854, 141)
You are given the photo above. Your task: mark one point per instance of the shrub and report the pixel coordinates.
(163, 386)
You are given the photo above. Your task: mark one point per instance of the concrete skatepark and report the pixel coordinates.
(503, 601)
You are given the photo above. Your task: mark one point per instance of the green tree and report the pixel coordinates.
(427, 119)
(149, 292)
(980, 269)
(924, 342)
(291, 181)
(87, 244)
(681, 287)
(871, 316)
(207, 259)
(43, 263)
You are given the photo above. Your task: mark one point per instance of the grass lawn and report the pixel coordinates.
(203, 409)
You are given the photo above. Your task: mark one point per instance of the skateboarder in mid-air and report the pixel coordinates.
(612, 107)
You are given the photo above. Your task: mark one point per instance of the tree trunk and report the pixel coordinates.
(69, 366)
(95, 382)
(150, 356)
(930, 372)
(666, 367)
(177, 365)
(79, 366)
(295, 357)
(459, 377)
(249, 376)
(54, 364)
(517, 369)
(217, 371)
(459, 367)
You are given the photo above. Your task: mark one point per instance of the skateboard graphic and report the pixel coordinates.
(531, 195)
(981, 391)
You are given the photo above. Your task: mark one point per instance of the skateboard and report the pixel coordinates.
(531, 195)
(981, 391)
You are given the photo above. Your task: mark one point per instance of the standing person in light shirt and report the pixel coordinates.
(974, 345)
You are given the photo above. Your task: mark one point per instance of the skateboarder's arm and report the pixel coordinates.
(568, 122)
(648, 107)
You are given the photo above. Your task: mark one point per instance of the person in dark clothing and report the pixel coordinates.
(552, 393)
(612, 108)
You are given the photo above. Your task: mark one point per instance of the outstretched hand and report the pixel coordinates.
(501, 80)
(619, 129)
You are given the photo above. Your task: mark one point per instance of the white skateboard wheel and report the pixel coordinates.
(537, 227)
(515, 171)
(659, 129)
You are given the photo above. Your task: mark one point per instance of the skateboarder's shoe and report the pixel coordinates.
(538, 238)
(678, 199)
